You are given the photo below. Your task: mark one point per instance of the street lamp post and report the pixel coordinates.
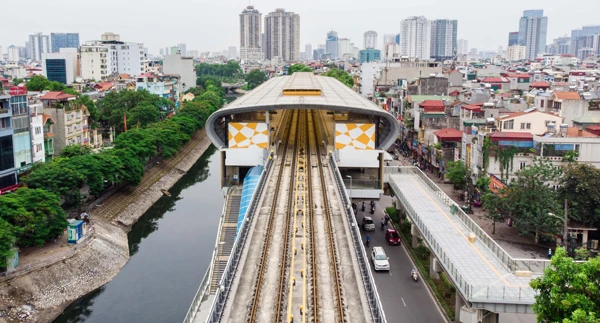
(350, 197)
(565, 223)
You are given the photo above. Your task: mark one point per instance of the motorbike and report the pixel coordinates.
(363, 207)
(372, 210)
(414, 276)
(368, 242)
(383, 224)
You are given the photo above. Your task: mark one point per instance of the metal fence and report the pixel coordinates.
(471, 292)
(218, 304)
(375, 306)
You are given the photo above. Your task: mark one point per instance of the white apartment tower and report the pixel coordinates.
(463, 47)
(13, 53)
(100, 59)
(38, 44)
(250, 35)
(370, 39)
(282, 35)
(416, 37)
(533, 29)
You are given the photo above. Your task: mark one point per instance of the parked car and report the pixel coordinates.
(392, 237)
(380, 259)
(368, 224)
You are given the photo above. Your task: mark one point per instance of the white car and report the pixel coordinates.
(380, 259)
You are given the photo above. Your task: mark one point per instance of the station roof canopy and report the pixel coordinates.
(303, 90)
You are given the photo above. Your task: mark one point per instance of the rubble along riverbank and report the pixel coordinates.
(42, 295)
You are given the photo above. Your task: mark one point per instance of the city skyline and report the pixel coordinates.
(196, 23)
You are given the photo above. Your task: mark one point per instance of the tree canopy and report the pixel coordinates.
(255, 78)
(141, 103)
(298, 68)
(568, 291)
(224, 72)
(341, 76)
(456, 174)
(579, 185)
(41, 83)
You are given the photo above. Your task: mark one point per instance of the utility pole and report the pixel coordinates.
(566, 228)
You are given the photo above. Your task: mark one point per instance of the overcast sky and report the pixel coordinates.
(214, 25)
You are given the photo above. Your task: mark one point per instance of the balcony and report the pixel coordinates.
(85, 127)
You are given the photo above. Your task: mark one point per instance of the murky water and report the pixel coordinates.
(170, 246)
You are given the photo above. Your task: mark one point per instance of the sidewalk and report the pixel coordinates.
(507, 237)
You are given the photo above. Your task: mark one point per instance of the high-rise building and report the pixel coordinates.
(463, 47)
(398, 39)
(162, 51)
(108, 36)
(389, 38)
(584, 40)
(182, 49)
(533, 29)
(251, 42)
(331, 44)
(308, 52)
(513, 38)
(473, 51)
(370, 39)
(38, 44)
(282, 34)
(416, 37)
(344, 47)
(61, 67)
(559, 46)
(232, 52)
(443, 39)
(64, 40)
(515, 53)
(13, 54)
(370, 55)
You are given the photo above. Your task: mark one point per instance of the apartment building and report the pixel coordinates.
(101, 59)
(70, 120)
(8, 169)
(282, 36)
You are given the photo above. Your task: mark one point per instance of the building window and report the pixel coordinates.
(522, 164)
(577, 146)
(6, 153)
(509, 125)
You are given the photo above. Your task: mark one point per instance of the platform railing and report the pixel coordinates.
(375, 305)
(523, 294)
(510, 263)
(218, 304)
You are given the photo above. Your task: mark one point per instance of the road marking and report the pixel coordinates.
(403, 302)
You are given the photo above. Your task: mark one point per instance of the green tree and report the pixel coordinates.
(483, 184)
(531, 197)
(298, 68)
(341, 76)
(60, 177)
(496, 207)
(35, 213)
(143, 114)
(255, 78)
(196, 91)
(7, 240)
(456, 174)
(568, 291)
(92, 109)
(116, 104)
(17, 81)
(37, 83)
(75, 150)
(579, 186)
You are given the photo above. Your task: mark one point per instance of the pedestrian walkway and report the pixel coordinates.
(481, 270)
(226, 238)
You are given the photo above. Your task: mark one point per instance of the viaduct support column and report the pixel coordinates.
(434, 267)
(414, 231)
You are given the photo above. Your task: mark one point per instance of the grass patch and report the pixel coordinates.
(443, 288)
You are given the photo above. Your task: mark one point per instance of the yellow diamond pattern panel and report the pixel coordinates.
(248, 135)
(355, 136)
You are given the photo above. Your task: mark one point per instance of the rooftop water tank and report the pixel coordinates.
(564, 127)
(551, 127)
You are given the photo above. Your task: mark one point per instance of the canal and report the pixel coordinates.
(170, 247)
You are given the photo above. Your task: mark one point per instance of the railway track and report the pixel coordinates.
(262, 270)
(338, 295)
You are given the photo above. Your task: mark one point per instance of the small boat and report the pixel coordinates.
(165, 192)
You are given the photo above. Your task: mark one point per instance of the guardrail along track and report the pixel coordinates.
(333, 254)
(314, 273)
(254, 305)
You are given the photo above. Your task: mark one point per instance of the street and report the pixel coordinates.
(403, 300)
